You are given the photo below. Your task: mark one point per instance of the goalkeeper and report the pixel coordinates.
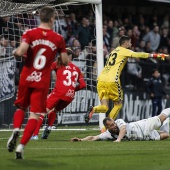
(145, 129)
(109, 85)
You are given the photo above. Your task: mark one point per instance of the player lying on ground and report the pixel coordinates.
(145, 129)
(69, 79)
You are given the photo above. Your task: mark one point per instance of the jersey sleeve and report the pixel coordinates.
(105, 135)
(120, 123)
(26, 38)
(130, 53)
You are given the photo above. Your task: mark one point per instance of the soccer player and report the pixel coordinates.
(145, 129)
(40, 46)
(69, 79)
(109, 85)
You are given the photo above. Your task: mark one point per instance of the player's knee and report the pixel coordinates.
(105, 108)
(164, 136)
(21, 108)
(118, 105)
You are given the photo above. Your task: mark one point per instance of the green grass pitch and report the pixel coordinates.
(58, 153)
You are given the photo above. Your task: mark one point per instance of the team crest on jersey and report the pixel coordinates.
(70, 93)
(44, 33)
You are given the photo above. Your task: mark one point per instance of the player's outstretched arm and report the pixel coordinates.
(161, 56)
(88, 138)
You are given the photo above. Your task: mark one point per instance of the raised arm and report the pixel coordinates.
(148, 55)
(64, 58)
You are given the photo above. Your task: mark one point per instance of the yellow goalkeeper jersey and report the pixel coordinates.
(116, 62)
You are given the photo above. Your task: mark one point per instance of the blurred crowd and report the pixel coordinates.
(149, 33)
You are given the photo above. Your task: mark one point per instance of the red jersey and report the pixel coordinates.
(44, 45)
(68, 80)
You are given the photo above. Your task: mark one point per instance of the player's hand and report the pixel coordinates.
(75, 139)
(161, 56)
(117, 140)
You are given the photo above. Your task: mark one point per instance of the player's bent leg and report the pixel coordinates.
(96, 109)
(46, 132)
(100, 109)
(164, 135)
(11, 144)
(89, 114)
(165, 112)
(116, 109)
(152, 123)
(39, 124)
(51, 120)
(17, 121)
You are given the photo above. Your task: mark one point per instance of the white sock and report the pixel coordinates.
(16, 129)
(166, 112)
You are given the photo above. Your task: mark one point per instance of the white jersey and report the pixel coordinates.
(139, 130)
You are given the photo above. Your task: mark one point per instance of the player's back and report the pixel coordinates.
(66, 79)
(44, 44)
(114, 65)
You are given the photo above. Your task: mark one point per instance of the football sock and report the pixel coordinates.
(100, 109)
(28, 131)
(18, 118)
(51, 118)
(115, 111)
(40, 121)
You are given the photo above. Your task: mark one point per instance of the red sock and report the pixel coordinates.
(40, 121)
(18, 118)
(51, 118)
(28, 131)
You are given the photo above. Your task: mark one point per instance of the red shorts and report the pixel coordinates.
(54, 101)
(33, 97)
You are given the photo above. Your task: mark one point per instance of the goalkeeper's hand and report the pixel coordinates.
(161, 56)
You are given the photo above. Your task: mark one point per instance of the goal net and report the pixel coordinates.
(20, 15)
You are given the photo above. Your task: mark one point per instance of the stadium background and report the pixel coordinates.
(137, 104)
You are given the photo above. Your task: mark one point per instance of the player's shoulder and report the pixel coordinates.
(29, 31)
(120, 121)
(57, 34)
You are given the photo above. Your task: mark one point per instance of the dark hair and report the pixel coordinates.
(123, 39)
(154, 70)
(46, 13)
(105, 120)
(69, 51)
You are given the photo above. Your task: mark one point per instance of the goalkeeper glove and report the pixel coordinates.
(162, 56)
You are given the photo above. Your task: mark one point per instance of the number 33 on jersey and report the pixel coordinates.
(68, 78)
